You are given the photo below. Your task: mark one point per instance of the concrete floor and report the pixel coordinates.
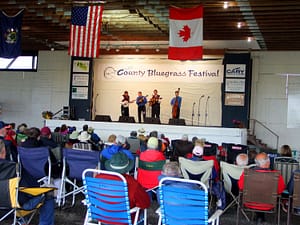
(75, 216)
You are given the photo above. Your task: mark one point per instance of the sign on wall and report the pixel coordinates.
(161, 72)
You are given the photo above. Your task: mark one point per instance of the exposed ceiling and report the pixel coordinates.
(143, 24)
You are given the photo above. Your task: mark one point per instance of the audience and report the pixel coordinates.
(242, 159)
(262, 162)
(286, 152)
(33, 138)
(134, 142)
(116, 146)
(150, 164)
(20, 133)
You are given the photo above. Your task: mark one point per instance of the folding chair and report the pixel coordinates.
(196, 170)
(184, 202)
(286, 166)
(210, 149)
(233, 150)
(294, 199)
(37, 163)
(230, 174)
(74, 163)
(260, 193)
(107, 200)
(9, 188)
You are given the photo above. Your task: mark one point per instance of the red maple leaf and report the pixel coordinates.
(185, 33)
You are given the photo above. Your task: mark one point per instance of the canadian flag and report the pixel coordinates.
(186, 33)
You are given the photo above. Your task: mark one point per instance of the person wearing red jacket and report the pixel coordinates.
(262, 162)
(150, 164)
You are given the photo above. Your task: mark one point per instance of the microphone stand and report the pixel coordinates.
(206, 108)
(193, 113)
(199, 109)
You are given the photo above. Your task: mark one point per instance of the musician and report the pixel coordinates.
(125, 100)
(155, 104)
(176, 105)
(141, 102)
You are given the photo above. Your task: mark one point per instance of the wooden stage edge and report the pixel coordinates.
(216, 135)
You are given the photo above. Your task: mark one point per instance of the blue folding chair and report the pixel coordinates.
(74, 163)
(36, 162)
(184, 202)
(107, 200)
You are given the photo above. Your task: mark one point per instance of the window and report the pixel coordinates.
(25, 62)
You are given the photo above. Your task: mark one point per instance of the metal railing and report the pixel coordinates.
(257, 128)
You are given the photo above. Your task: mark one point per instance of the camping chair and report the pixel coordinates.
(233, 150)
(294, 200)
(210, 149)
(37, 163)
(286, 166)
(196, 170)
(9, 188)
(184, 202)
(74, 163)
(230, 175)
(260, 189)
(107, 200)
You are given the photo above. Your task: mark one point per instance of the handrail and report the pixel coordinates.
(267, 128)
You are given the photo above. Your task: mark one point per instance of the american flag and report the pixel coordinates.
(85, 31)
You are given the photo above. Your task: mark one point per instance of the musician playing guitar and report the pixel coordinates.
(141, 102)
(176, 105)
(125, 104)
(154, 102)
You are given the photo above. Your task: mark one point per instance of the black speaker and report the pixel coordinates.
(176, 122)
(103, 118)
(126, 119)
(151, 120)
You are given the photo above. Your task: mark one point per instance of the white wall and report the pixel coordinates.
(269, 100)
(24, 95)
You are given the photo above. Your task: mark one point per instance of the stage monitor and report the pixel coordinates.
(103, 118)
(126, 119)
(176, 122)
(150, 120)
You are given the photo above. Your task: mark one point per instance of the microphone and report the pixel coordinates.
(202, 96)
(206, 110)
(193, 113)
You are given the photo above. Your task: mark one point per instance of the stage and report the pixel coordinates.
(212, 134)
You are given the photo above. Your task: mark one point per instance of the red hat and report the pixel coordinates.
(45, 131)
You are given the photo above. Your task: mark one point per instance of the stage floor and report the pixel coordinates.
(217, 135)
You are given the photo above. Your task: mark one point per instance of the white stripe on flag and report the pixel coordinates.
(196, 32)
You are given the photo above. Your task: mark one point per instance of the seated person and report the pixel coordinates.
(262, 162)
(121, 163)
(134, 142)
(241, 160)
(29, 202)
(117, 146)
(182, 147)
(285, 151)
(85, 142)
(151, 162)
(95, 139)
(290, 188)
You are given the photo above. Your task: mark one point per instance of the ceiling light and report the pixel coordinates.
(239, 25)
(107, 48)
(226, 4)
(157, 49)
(117, 49)
(137, 49)
(249, 39)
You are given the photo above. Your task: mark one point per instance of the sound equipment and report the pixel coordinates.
(176, 122)
(103, 118)
(126, 119)
(150, 120)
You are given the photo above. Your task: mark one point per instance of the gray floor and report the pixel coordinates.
(75, 216)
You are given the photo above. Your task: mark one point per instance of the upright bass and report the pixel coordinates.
(175, 106)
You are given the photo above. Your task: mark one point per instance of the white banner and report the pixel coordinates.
(162, 72)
